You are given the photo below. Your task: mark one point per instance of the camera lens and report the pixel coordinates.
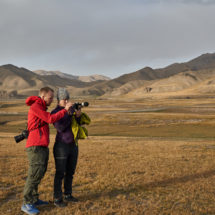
(19, 138)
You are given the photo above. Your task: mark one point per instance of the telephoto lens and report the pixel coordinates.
(78, 106)
(85, 104)
(22, 136)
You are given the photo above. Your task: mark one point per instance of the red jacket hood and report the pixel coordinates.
(32, 99)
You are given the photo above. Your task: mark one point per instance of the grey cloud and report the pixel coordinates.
(106, 37)
(177, 1)
(198, 1)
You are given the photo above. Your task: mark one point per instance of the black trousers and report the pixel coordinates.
(66, 156)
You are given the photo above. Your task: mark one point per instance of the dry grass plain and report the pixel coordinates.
(152, 156)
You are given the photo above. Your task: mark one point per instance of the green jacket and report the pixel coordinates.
(78, 130)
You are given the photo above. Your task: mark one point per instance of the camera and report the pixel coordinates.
(22, 136)
(78, 106)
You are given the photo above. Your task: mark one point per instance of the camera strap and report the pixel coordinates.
(39, 126)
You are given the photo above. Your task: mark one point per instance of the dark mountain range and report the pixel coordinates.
(21, 81)
(205, 61)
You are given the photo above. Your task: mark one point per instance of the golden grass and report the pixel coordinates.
(134, 162)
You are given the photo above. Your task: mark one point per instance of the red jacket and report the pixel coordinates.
(38, 120)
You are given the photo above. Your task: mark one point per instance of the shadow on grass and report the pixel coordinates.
(150, 186)
(10, 196)
(48, 207)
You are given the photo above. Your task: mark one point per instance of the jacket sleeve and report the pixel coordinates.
(46, 116)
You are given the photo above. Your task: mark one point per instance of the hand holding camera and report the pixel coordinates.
(68, 105)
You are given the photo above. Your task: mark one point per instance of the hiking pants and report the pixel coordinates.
(66, 156)
(38, 160)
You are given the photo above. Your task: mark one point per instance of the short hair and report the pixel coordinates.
(46, 90)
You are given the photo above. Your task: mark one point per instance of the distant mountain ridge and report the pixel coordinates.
(20, 81)
(88, 78)
(148, 75)
(183, 77)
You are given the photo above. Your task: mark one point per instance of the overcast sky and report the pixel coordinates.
(107, 37)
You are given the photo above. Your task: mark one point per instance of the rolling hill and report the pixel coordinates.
(184, 83)
(20, 82)
(149, 81)
(195, 76)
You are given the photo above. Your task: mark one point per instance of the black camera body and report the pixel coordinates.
(22, 136)
(78, 106)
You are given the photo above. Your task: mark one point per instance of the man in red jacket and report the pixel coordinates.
(37, 145)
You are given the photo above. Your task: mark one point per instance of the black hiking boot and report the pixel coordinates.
(60, 203)
(70, 198)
